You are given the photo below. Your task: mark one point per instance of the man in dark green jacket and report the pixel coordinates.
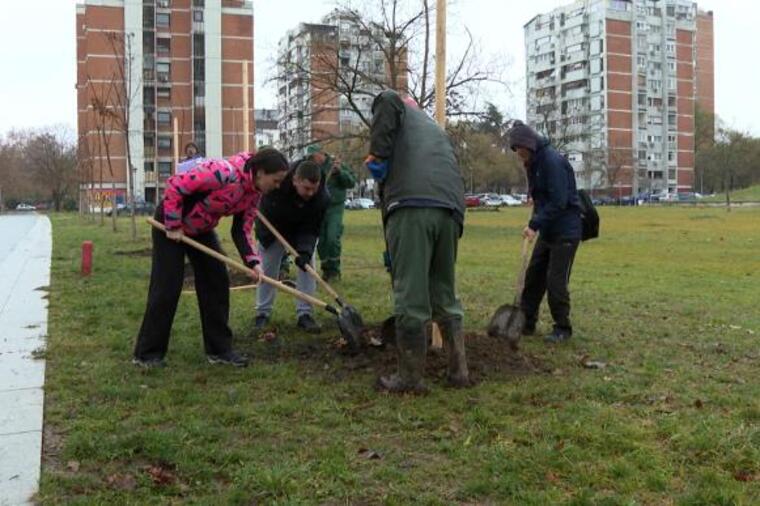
(339, 179)
(422, 194)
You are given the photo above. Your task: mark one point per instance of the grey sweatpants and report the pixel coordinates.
(265, 294)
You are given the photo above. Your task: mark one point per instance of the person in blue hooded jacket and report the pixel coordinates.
(556, 220)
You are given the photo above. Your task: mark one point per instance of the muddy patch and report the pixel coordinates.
(487, 357)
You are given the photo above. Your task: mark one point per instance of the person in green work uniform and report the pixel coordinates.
(422, 196)
(339, 178)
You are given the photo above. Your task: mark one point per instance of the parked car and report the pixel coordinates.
(361, 204)
(491, 200)
(24, 207)
(509, 200)
(141, 207)
(472, 201)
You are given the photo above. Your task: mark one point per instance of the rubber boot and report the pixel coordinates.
(411, 347)
(457, 375)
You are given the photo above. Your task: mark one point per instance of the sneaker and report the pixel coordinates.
(307, 323)
(149, 363)
(558, 336)
(229, 358)
(261, 321)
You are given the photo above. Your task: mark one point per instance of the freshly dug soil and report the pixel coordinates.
(487, 357)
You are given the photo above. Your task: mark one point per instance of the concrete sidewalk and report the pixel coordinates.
(24, 269)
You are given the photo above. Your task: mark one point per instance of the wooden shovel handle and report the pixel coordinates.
(243, 268)
(523, 268)
(293, 252)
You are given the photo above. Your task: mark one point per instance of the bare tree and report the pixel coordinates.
(124, 96)
(51, 156)
(398, 33)
(101, 102)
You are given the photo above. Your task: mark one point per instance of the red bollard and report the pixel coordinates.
(86, 258)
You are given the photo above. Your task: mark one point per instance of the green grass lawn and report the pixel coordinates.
(751, 194)
(667, 298)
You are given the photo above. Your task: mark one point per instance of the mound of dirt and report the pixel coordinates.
(487, 357)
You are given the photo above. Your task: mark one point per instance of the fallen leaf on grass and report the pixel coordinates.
(369, 454)
(73, 466)
(122, 481)
(744, 475)
(160, 475)
(592, 364)
(698, 404)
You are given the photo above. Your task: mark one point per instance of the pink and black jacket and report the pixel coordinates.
(196, 200)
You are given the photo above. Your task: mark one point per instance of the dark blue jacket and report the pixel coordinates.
(556, 208)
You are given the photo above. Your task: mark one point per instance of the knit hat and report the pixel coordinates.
(523, 136)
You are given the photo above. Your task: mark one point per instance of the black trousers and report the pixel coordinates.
(549, 271)
(212, 287)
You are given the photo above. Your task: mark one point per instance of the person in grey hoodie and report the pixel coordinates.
(556, 220)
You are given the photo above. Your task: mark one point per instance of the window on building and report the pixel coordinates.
(148, 16)
(671, 101)
(164, 4)
(198, 16)
(163, 70)
(164, 142)
(148, 41)
(149, 166)
(163, 44)
(671, 118)
(671, 65)
(164, 117)
(162, 19)
(671, 140)
(642, 99)
(671, 84)
(671, 156)
(148, 141)
(164, 92)
(165, 168)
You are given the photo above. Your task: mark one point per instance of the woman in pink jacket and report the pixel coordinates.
(193, 204)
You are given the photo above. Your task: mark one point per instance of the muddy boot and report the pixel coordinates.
(411, 348)
(453, 341)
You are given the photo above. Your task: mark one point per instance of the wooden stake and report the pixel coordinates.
(440, 63)
(246, 118)
(440, 106)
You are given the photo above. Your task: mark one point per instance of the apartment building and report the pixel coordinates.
(178, 62)
(310, 57)
(267, 131)
(614, 84)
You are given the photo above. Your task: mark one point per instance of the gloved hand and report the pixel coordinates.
(387, 260)
(302, 260)
(255, 265)
(377, 167)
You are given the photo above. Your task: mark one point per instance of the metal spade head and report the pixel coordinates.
(351, 328)
(507, 323)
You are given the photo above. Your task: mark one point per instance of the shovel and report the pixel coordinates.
(349, 315)
(508, 320)
(348, 329)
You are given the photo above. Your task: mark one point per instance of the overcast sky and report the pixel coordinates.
(38, 58)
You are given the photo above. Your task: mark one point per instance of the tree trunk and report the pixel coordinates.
(113, 206)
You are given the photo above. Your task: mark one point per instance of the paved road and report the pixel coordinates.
(25, 247)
